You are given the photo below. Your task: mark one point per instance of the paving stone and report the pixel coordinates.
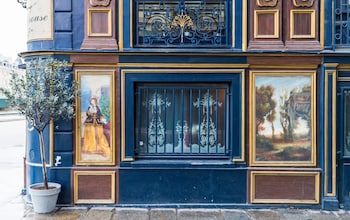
(294, 214)
(199, 214)
(99, 213)
(321, 215)
(265, 214)
(162, 214)
(131, 214)
(234, 214)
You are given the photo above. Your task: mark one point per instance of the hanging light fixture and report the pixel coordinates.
(23, 3)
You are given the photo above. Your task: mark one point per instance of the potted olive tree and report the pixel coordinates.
(43, 94)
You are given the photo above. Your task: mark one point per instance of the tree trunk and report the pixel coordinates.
(43, 159)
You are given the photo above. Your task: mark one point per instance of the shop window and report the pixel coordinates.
(342, 19)
(183, 23)
(182, 116)
(181, 119)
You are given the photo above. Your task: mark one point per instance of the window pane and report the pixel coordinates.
(177, 119)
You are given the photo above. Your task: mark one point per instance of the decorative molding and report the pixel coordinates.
(266, 3)
(103, 3)
(303, 3)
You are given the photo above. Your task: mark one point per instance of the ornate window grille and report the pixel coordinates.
(182, 119)
(342, 25)
(183, 23)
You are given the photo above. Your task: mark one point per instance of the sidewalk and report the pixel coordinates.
(9, 115)
(117, 213)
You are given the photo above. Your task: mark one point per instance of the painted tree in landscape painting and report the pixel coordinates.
(265, 107)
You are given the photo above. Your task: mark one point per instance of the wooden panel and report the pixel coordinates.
(94, 187)
(270, 187)
(265, 25)
(296, 61)
(302, 24)
(100, 24)
(87, 185)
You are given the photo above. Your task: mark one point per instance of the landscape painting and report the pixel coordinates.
(283, 118)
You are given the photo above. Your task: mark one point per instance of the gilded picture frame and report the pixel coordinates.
(95, 120)
(282, 118)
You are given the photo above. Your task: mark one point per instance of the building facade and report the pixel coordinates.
(210, 103)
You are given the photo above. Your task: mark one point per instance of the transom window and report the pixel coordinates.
(183, 23)
(174, 119)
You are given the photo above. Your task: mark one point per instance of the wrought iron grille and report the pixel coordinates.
(342, 23)
(183, 23)
(181, 120)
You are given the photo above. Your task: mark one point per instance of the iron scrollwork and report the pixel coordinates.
(200, 24)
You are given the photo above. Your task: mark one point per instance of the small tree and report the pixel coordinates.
(45, 92)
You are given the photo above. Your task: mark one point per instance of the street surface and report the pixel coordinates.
(12, 151)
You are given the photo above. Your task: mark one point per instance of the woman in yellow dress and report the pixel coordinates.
(94, 139)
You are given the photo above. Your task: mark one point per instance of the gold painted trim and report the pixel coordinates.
(141, 71)
(303, 67)
(276, 23)
(233, 23)
(89, 27)
(321, 22)
(244, 25)
(334, 134)
(242, 158)
(252, 137)
(121, 26)
(78, 129)
(182, 65)
(94, 173)
(331, 65)
(312, 14)
(253, 174)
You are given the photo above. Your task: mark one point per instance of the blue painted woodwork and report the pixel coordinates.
(233, 79)
(193, 181)
(63, 177)
(63, 141)
(180, 186)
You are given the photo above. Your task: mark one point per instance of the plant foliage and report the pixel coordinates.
(45, 93)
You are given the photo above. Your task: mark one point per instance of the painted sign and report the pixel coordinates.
(40, 20)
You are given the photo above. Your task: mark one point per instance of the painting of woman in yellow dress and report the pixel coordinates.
(95, 141)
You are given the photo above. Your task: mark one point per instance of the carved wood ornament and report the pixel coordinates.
(303, 3)
(103, 3)
(266, 3)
